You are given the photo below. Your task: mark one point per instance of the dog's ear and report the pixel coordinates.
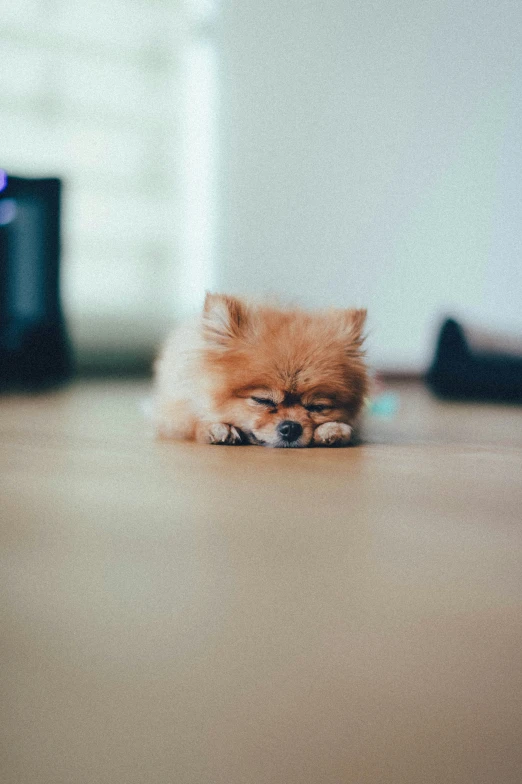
(224, 318)
(352, 324)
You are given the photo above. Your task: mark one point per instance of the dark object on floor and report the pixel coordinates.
(462, 372)
(34, 350)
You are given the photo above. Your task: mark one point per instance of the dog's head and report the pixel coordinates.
(277, 374)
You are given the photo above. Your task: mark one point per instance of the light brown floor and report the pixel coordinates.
(178, 614)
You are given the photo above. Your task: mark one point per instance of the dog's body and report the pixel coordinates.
(254, 374)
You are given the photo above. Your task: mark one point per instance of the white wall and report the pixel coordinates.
(89, 91)
(371, 153)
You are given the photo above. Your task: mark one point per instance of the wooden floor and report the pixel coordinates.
(181, 614)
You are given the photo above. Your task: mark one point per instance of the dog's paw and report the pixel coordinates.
(219, 433)
(332, 434)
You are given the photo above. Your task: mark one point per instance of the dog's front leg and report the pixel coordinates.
(218, 433)
(332, 434)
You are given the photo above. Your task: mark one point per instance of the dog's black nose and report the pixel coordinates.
(289, 431)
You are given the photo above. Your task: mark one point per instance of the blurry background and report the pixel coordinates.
(328, 152)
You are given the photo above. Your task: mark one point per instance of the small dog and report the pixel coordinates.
(246, 373)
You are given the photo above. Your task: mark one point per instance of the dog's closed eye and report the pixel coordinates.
(319, 407)
(264, 401)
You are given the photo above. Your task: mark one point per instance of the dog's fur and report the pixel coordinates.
(236, 373)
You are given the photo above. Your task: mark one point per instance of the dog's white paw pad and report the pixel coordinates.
(332, 434)
(219, 433)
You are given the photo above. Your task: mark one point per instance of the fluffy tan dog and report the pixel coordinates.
(246, 373)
